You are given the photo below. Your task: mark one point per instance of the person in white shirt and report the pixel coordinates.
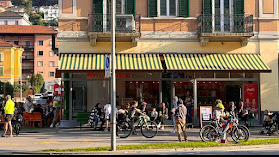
(27, 105)
(107, 109)
(56, 109)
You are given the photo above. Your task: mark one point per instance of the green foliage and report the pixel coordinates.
(9, 88)
(51, 23)
(36, 19)
(26, 4)
(17, 88)
(37, 82)
(195, 144)
(44, 2)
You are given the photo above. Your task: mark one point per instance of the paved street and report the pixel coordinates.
(64, 138)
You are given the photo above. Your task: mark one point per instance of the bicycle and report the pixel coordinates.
(213, 132)
(149, 129)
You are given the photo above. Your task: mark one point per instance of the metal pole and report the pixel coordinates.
(113, 80)
(21, 79)
(195, 92)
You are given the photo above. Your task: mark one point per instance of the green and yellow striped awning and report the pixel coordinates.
(213, 62)
(88, 62)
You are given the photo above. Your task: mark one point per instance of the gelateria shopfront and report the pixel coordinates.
(156, 78)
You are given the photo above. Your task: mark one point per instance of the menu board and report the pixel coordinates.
(205, 114)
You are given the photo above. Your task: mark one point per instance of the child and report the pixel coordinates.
(267, 121)
(154, 115)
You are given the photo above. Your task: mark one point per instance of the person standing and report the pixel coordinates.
(9, 114)
(243, 113)
(27, 105)
(175, 100)
(162, 115)
(180, 115)
(56, 108)
(189, 103)
(107, 109)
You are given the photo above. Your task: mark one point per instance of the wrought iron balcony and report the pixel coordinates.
(27, 67)
(125, 23)
(28, 57)
(127, 28)
(27, 46)
(225, 27)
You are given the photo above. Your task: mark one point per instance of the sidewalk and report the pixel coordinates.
(65, 138)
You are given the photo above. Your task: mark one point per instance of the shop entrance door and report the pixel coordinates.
(166, 94)
(79, 95)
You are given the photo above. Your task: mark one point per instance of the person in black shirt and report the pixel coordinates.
(143, 108)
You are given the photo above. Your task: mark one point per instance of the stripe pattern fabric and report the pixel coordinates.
(74, 61)
(230, 62)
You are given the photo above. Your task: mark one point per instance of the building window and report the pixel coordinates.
(27, 43)
(51, 53)
(168, 7)
(50, 42)
(6, 22)
(222, 19)
(51, 74)
(120, 6)
(16, 22)
(41, 72)
(41, 53)
(1, 70)
(40, 63)
(51, 63)
(16, 42)
(1, 57)
(41, 43)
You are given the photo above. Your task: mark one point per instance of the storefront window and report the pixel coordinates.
(204, 75)
(237, 75)
(189, 75)
(143, 91)
(222, 75)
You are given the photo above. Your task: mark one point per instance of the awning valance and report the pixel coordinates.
(89, 62)
(215, 62)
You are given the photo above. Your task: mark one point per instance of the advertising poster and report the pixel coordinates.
(251, 97)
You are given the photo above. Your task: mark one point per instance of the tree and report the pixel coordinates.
(26, 4)
(36, 19)
(37, 82)
(9, 88)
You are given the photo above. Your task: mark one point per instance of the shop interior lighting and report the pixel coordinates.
(136, 82)
(131, 82)
(203, 82)
(153, 82)
(180, 82)
(209, 82)
(174, 82)
(142, 82)
(157, 82)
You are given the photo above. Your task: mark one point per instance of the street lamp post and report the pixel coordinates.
(21, 79)
(113, 81)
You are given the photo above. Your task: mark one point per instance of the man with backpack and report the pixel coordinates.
(180, 115)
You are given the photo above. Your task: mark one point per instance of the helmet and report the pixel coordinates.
(220, 106)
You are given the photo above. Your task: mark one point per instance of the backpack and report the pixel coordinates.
(177, 113)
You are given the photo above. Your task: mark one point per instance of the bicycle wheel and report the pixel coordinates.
(246, 129)
(149, 129)
(240, 134)
(123, 129)
(208, 133)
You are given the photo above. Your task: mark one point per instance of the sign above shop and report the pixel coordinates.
(107, 67)
(92, 75)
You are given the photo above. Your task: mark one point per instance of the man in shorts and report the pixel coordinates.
(107, 109)
(9, 114)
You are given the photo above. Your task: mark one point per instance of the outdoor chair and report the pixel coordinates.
(25, 118)
(37, 117)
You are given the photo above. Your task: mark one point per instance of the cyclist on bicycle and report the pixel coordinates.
(132, 115)
(219, 116)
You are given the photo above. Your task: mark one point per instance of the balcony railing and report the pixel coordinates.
(27, 67)
(225, 23)
(28, 57)
(124, 23)
(27, 46)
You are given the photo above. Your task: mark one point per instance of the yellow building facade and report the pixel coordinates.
(10, 62)
(204, 28)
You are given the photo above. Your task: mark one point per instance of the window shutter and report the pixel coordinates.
(130, 6)
(207, 16)
(239, 16)
(184, 8)
(207, 7)
(1, 57)
(98, 6)
(152, 8)
(239, 7)
(1, 71)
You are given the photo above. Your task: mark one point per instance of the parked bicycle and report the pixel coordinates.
(148, 128)
(213, 132)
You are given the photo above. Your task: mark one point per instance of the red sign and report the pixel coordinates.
(251, 96)
(103, 75)
(57, 89)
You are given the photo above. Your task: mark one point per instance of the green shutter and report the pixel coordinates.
(207, 7)
(130, 6)
(1, 71)
(97, 16)
(184, 8)
(239, 16)
(207, 16)
(152, 8)
(98, 6)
